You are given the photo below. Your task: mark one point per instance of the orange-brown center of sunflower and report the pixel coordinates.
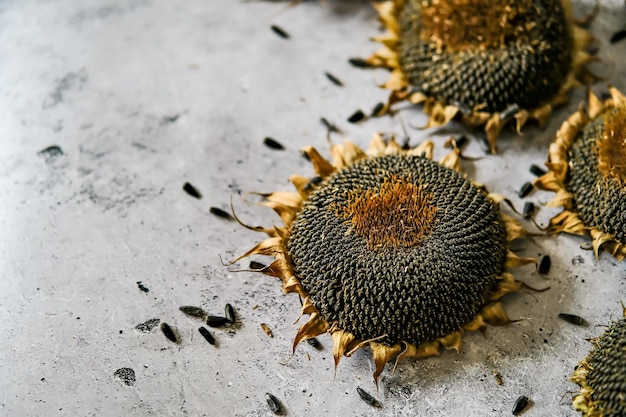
(399, 214)
(612, 146)
(482, 24)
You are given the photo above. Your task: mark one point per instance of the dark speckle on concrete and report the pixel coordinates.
(70, 81)
(142, 287)
(51, 153)
(126, 375)
(169, 119)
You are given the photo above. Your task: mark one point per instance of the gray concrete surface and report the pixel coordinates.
(144, 95)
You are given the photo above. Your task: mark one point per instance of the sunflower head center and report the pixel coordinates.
(484, 24)
(399, 214)
(612, 146)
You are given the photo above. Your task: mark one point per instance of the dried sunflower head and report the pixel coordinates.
(489, 61)
(392, 250)
(602, 375)
(587, 170)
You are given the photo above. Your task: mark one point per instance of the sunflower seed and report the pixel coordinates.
(333, 79)
(280, 31)
(314, 343)
(544, 265)
(618, 36)
(168, 332)
(148, 326)
(207, 335)
(220, 213)
(377, 108)
(525, 190)
(216, 321)
(360, 63)
(267, 329)
(256, 265)
(520, 405)
(572, 318)
(191, 190)
(193, 311)
(537, 170)
(356, 117)
(229, 312)
(529, 209)
(273, 403)
(365, 396)
(273, 144)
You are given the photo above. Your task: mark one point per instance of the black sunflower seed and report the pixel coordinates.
(273, 144)
(168, 332)
(365, 396)
(537, 170)
(356, 117)
(333, 79)
(220, 213)
(207, 335)
(618, 36)
(520, 405)
(572, 318)
(525, 190)
(217, 321)
(193, 311)
(191, 190)
(273, 403)
(256, 265)
(280, 31)
(377, 108)
(314, 343)
(529, 209)
(359, 63)
(229, 312)
(142, 287)
(544, 265)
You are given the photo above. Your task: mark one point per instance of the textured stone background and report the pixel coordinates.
(144, 95)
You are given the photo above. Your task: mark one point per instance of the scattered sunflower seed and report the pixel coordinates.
(356, 117)
(256, 265)
(333, 79)
(377, 108)
(572, 318)
(537, 170)
(142, 287)
(220, 213)
(191, 190)
(216, 321)
(544, 265)
(273, 144)
(529, 210)
(168, 332)
(207, 335)
(280, 31)
(520, 405)
(148, 326)
(229, 312)
(193, 311)
(618, 36)
(273, 403)
(359, 63)
(314, 343)
(365, 396)
(525, 190)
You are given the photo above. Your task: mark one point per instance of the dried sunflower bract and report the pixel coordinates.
(587, 170)
(391, 250)
(487, 61)
(602, 375)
